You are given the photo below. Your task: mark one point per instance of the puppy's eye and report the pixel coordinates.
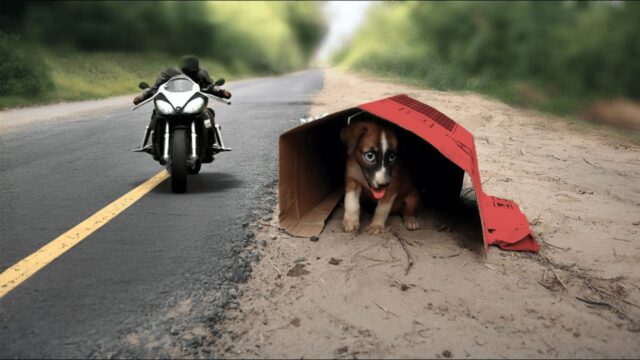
(369, 156)
(392, 157)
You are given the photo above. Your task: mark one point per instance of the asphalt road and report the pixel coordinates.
(149, 281)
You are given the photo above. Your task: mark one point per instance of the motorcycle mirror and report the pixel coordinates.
(219, 82)
(143, 85)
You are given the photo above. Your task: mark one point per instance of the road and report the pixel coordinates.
(155, 278)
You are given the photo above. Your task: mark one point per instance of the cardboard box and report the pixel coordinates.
(436, 150)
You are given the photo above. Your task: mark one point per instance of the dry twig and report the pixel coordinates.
(591, 302)
(404, 247)
(555, 157)
(446, 256)
(559, 279)
(555, 246)
(602, 292)
(385, 309)
(536, 221)
(611, 300)
(275, 268)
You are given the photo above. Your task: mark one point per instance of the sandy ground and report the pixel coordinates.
(348, 296)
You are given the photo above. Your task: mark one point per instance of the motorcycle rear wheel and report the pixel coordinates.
(179, 161)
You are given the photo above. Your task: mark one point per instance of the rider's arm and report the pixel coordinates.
(206, 79)
(147, 93)
(219, 92)
(210, 88)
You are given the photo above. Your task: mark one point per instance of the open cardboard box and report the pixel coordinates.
(436, 150)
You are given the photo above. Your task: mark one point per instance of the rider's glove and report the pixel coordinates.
(142, 97)
(218, 92)
(138, 99)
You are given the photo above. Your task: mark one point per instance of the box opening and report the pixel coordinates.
(312, 170)
(436, 150)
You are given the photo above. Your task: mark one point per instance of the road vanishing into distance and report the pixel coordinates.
(145, 282)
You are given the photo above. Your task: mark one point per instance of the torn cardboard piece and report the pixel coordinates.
(436, 150)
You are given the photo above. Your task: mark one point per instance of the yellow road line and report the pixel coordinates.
(28, 266)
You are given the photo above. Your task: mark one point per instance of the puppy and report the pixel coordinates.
(374, 171)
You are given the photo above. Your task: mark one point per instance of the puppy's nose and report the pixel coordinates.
(382, 184)
(382, 179)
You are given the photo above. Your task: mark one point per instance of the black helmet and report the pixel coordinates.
(189, 64)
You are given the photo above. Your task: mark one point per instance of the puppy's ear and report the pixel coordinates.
(351, 136)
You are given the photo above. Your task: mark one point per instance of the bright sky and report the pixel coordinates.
(343, 18)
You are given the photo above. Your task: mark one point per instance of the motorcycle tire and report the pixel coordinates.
(179, 161)
(193, 170)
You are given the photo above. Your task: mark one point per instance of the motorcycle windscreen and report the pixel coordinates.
(179, 85)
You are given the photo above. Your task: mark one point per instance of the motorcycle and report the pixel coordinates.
(184, 134)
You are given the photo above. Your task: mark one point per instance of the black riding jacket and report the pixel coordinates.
(201, 78)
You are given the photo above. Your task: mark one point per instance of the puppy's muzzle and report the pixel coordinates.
(381, 179)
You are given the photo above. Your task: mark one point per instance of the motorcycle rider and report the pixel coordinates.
(190, 66)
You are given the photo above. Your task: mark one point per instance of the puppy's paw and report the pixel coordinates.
(411, 223)
(350, 225)
(375, 229)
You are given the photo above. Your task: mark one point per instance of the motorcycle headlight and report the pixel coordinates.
(164, 107)
(194, 106)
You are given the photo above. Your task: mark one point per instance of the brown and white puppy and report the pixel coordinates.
(374, 171)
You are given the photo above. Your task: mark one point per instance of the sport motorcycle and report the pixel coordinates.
(183, 131)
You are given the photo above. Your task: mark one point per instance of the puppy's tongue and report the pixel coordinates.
(378, 193)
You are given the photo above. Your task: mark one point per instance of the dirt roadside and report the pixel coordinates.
(346, 295)
(15, 118)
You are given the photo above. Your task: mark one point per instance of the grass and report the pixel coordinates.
(463, 47)
(521, 93)
(85, 76)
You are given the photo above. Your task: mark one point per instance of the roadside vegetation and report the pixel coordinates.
(52, 51)
(558, 57)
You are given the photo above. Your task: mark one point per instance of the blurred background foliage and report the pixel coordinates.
(71, 50)
(559, 56)
(555, 56)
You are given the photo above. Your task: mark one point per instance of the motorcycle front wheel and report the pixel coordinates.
(179, 161)
(193, 170)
